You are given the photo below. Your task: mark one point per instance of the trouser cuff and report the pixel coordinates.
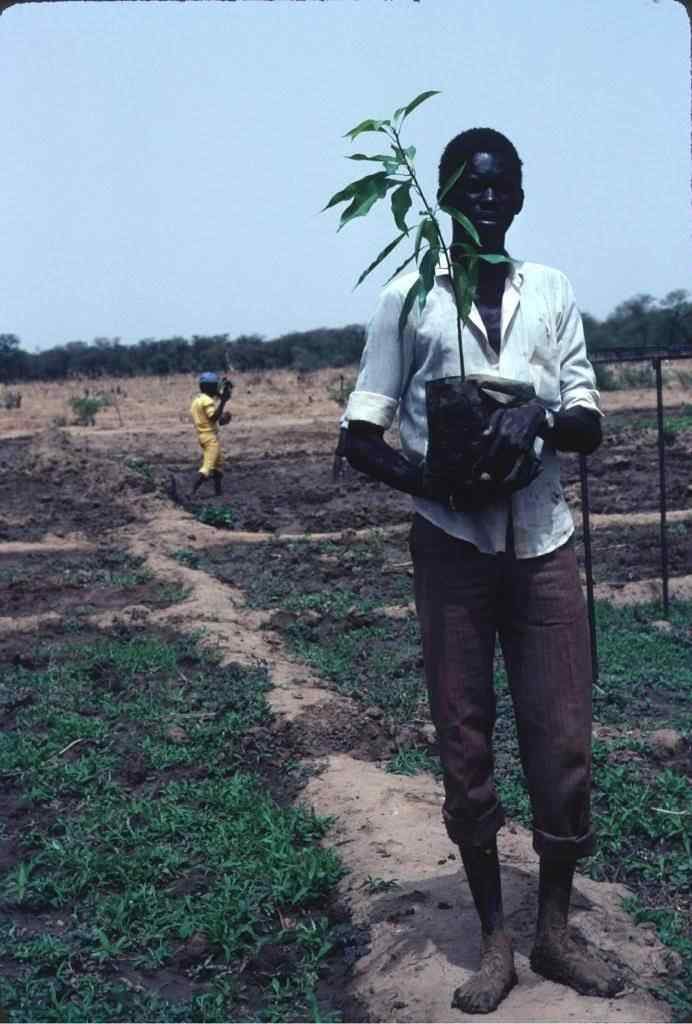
(563, 847)
(474, 831)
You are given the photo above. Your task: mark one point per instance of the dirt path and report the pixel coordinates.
(388, 828)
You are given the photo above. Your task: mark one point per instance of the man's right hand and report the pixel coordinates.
(509, 456)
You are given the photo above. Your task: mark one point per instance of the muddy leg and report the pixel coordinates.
(555, 955)
(197, 484)
(496, 975)
(218, 477)
(173, 490)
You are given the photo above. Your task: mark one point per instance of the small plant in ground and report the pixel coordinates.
(85, 409)
(374, 885)
(170, 593)
(606, 380)
(188, 557)
(339, 390)
(140, 466)
(220, 516)
(11, 399)
(412, 761)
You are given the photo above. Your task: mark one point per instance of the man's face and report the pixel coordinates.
(489, 193)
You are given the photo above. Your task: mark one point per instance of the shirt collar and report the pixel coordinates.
(516, 277)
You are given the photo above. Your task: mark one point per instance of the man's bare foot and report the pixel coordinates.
(558, 957)
(496, 976)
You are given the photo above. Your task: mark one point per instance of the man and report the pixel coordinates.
(207, 412)
(488, 565)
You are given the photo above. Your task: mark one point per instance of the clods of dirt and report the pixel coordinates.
(339, 725)
(51, 482)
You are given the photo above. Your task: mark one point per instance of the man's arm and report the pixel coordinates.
(578, 423)
(225, 396)
(574, 430)
(366, 450)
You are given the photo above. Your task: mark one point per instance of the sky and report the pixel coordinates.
(164, 165)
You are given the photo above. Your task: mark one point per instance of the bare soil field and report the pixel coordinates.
(279, 451)
(95, 555)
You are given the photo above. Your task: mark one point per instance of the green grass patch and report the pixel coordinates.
(378, 664)
(122, 699)
(412, 761)
(188, 557)
(272, 574)
(220, 516)
(105, 577)
(104, 568)
(148, 846)
(645, 675)
(674, 422)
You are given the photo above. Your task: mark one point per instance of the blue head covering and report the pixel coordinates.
(209, 378)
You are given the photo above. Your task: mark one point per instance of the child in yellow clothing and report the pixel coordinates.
(207, 413)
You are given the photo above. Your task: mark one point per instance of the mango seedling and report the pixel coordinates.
(398, 177)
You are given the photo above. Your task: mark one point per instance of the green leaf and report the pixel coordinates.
(401, 204)
(383, 255)
(427, 270)
(492, 257)
(361, 187)
(391, 164)
(462, 219)
(369, 125)
(352, 189)
(403, 112)
(411, 297)
(464, 287)
(380, 157)
(361, 205)
(450, 183)
(367, 195)
(398, 270)
(426, 232)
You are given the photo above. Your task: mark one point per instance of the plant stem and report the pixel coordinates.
(433, 218)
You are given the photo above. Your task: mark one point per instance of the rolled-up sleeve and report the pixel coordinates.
(383, 366)
(577, 377)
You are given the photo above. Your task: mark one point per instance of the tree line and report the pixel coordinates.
(302, 351)
(641, 321)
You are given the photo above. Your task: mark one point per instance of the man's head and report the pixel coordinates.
(209, 383)
(489, 191)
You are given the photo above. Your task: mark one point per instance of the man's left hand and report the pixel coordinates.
(510, 435)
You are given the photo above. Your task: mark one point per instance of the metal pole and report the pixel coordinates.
(662, 485)
(588, 565)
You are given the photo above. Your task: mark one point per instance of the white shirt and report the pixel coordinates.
(542, 342)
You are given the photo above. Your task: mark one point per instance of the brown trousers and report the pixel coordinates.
(465, 599)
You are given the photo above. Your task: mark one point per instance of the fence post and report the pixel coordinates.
(588, 565)
(662, 485)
